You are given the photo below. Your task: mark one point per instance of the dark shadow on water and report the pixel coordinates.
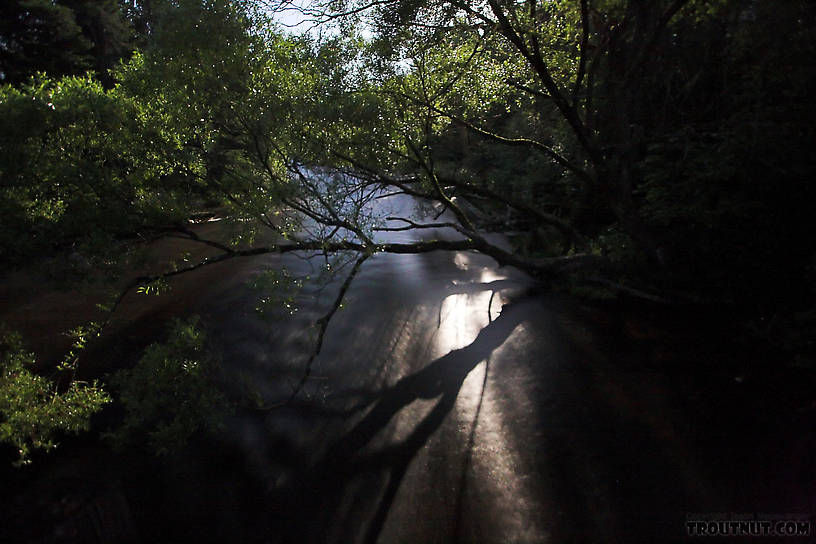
(351, 456)
(609, 467)
(466, 465)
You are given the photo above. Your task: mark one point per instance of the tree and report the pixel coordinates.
(663, 180)
(38, 35)
(103, 24)
(603, 91)
(253, 117)
(68, 37)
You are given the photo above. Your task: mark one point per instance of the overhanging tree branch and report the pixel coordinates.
(569, 233)
(552, 153)
(539, 65)
(527, 89)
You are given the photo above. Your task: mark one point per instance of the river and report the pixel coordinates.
(450, 402)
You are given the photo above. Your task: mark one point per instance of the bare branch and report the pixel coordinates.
(460, 215)
(570, 234)
(552, 153)
(191, 235)
(323, 324)
(525, 88)
(413, 225)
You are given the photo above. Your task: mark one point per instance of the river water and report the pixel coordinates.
(449, 403)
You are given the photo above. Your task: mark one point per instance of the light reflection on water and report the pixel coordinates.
(490, 456)
(402, 314)
(463, 314)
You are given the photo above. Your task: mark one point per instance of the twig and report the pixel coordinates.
(323, 324)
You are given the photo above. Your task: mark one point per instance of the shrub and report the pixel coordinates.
(32, 409)
(170, 394)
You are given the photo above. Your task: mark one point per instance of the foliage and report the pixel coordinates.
(39, 35)
(277, 290)
(170, 394)
(690, 173)
(61, 145)
(33, 410)
(699, 160)
(83, 167)
(726, 178)
(62, 37)
(554, 106)
(223, 104)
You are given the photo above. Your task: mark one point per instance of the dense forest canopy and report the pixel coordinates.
(655, 149)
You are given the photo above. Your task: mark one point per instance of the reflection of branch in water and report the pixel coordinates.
(323, 324)
(307, 258)
(329, 270)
